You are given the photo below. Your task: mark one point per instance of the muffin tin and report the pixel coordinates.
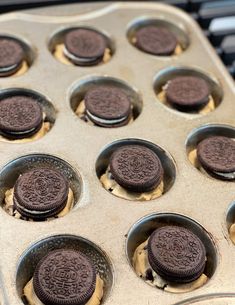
(103, 226)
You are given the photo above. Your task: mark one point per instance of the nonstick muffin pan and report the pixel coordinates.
(105, 227)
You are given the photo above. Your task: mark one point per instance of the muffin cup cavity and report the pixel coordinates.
(143, 228)
(142, 22)
(48, 110)
(204, 132)
(28, 57)
(79, 90)
(57, 48)
(30, 258)
(102, 170)
(11, 171)
(163, 78)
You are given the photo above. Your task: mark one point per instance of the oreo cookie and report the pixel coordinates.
(156, 40)
(187, 93)
(20, 117)
(84, 47)
(107, 106)
(176, 254)
(136, 168)
(40, 193)
(11, 56)
(64, 277)
(217, 156)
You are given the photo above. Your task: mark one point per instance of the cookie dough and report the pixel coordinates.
(32, 299)
(81, 113)
(141, 266)
(46, 126)
(112, 186)
(210, 106)
(192, 156)
(59, 54)
(232, 233)
(9, 205)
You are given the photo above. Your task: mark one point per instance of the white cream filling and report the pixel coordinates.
(141, 265)
(46, 126)
(103, 121)
(22, 69)
(9, 205)
(81, 113)
(59, 54)
(15, 69)
(112, 186)
(22, 132)
(10, 69)
(95, 299)
(226, 175)
(78, 60)
(30, 211)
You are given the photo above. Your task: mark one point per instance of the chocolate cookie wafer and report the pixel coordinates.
(64, 277)
(20, 117)
(107, 106)
(11, 56)
(217, 156)
(176, 254)
(156, 40)
(40, 193)
(187, 93)
(84, 47)
(136, 168)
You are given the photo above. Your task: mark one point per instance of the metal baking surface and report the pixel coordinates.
(100, 222)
